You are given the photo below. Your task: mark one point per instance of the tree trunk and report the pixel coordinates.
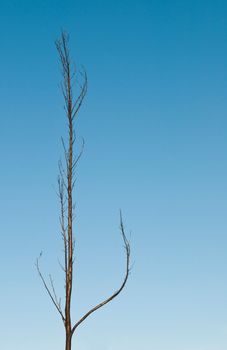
(68, 341)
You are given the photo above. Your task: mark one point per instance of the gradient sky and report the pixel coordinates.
(155, 127)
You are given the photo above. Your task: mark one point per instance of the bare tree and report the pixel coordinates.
(66, 184)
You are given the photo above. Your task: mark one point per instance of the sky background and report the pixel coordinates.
(155, 127)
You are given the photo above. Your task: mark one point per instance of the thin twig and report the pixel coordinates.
(48, 291)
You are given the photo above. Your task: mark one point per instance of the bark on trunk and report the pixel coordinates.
(68, 341)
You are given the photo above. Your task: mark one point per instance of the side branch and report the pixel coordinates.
(52, 297)
(83, 91)
(115, 294)
(61, 185)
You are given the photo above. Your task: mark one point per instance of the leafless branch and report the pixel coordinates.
(115, 294)
(62, 222)
(83, 90)
(58, 301)
(52, 297)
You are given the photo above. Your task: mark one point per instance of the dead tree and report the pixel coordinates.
(66, 184)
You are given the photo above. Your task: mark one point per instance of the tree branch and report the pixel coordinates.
(62, 222)
(53, 298)
(115, 294)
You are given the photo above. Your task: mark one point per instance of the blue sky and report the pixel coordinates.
(155, 127)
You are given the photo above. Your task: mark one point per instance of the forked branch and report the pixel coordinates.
(115, 294)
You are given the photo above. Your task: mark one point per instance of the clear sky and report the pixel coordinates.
(155, 127)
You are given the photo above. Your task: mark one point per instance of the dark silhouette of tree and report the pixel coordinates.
(66, 184)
